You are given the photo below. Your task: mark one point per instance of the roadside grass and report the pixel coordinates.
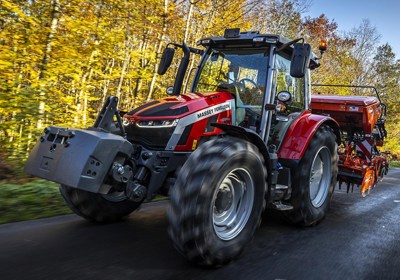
(394, 164)
(32, 200)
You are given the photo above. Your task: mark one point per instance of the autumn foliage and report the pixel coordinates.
(60, 59)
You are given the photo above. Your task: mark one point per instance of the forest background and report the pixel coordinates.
(60, 59)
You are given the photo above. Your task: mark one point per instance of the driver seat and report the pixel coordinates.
(234, 90)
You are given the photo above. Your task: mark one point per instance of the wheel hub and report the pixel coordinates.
(224, 200)
(232, 204)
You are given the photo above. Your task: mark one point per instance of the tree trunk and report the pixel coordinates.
(125, 65)
(159, 48)
(83, 96)
(55, 13)
(106, 84)
(191, 4)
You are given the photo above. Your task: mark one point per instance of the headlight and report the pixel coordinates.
(157, 123)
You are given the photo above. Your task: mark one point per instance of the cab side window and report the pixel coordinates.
(285, 82)
(286, 112)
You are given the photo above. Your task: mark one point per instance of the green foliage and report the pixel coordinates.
(36, 199)
(386, 73)
(394, 164)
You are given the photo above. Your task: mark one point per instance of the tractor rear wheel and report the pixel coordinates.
(217, 201)
(101, 208)
(314, 179)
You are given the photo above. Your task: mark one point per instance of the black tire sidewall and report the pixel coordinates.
(94, 207)
(190, 214)
(251, 163)
(307, 213)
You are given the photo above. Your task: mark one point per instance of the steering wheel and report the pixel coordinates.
(244, 80)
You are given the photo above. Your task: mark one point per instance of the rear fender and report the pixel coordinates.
(301, 132)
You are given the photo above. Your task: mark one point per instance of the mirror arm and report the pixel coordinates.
(180, 75)
(284, 46)
(192, 50)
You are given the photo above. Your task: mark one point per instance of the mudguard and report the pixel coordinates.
(75, 157)
(246, 134)
(301, 132)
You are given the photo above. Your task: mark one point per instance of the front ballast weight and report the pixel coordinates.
(92, 160)
(78, 158)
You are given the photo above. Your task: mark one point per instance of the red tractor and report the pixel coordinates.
(244, 138)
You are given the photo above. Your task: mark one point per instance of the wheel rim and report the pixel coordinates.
(232, 204)
(320, 177)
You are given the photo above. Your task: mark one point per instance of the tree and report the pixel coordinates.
(281, 17)
(337, 64)
(386, 73)
(366, 38)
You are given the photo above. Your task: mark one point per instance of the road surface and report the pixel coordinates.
(359, 239)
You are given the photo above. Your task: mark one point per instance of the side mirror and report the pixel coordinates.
(300, 60)
(166, 60)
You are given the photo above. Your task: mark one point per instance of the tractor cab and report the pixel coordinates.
(268, 76)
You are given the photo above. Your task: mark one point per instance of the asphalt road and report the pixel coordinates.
(359, 239)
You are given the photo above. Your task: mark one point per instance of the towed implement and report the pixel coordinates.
(362, 124)
(245, 138)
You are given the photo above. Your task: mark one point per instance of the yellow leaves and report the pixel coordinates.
(15, 9)
(5, 64)
(102, 47)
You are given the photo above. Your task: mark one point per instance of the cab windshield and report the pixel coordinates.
(245, 66)
(243, 72)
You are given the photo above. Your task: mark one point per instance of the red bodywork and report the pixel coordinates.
(363, 112)
(200, 110)
(360, 162)
(300, 134)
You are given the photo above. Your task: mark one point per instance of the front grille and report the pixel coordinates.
(151, 138)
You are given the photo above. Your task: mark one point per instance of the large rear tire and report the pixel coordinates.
(217, 201)
(314, 180)
(101, 208)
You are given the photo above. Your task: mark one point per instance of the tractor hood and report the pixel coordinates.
(153, 123)
(177, 107)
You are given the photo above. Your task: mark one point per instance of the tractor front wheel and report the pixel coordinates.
(101, 208)
(217, 201)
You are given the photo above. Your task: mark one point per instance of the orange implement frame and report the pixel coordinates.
(361, 120)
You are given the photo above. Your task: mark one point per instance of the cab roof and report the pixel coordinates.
(235, 38)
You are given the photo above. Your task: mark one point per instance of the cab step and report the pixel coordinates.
(277, 205)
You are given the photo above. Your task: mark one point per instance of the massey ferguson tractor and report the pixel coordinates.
(244, 139)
